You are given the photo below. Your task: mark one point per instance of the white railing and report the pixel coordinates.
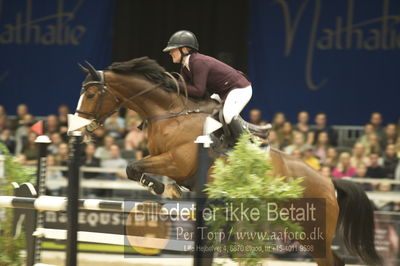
(119, 184)
(94, 183)
(347, 135)
(374, 180)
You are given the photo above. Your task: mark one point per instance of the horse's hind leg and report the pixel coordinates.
(338, 260)
(330, 258)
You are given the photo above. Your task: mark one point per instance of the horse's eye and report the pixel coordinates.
(90, 95)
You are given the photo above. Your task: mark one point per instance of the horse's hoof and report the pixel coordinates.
(172, 191)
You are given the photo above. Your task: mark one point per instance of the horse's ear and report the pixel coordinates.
(84, 69)
(93, 72)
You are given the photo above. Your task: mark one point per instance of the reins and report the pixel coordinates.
(102, 86)
(184, 110)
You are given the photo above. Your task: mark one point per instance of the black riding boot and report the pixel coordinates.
(236, 128)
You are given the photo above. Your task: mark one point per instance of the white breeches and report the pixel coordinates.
(235, 102)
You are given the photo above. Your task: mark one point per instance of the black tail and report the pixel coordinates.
(356, 221)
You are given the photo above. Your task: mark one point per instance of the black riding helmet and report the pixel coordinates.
(182, 38)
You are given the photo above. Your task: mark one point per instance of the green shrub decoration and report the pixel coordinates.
(10, 248)
(245, 178)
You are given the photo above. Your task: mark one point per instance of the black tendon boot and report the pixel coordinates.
(135, 172)
(155, 186)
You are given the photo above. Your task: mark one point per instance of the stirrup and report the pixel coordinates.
(259, 131)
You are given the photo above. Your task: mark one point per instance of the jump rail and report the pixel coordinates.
(123, 240)
(51, 203)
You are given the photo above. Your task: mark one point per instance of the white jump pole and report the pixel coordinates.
(115, 239)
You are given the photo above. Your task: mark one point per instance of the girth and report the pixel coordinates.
(145, 122)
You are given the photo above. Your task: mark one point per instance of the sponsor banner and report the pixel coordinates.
(41, 43)
(340, 57)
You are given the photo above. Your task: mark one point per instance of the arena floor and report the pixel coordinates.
(57, 258)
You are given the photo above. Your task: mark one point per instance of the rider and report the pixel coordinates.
(204, 74)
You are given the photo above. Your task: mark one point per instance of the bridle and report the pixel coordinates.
(102, 87)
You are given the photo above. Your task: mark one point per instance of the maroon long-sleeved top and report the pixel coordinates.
(208, 74)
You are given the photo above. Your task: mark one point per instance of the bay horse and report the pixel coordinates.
(174, 122)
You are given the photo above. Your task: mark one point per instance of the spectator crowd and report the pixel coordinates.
(375, 154)
(113, 146)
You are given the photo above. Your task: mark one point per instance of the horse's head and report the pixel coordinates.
(96, 102)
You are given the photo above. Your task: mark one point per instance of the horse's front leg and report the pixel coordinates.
(136, 172)
(171, 164)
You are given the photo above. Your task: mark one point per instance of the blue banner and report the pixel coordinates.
(41, 43)
(340, 57)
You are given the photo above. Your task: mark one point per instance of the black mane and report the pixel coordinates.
(146, 67)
